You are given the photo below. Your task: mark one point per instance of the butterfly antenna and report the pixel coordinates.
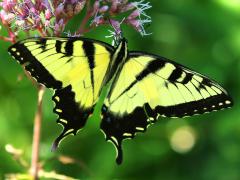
(118, 35)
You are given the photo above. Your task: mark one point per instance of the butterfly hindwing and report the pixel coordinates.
(149, 85)
(74, 67)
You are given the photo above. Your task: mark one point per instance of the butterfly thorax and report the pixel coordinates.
(119, 57)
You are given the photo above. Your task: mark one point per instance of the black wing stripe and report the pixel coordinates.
(42, 42)
(58, 46)
(69, 47)
(212, 103)
(37, 70)
(89, 51)
(175, 74)
(152, 67)
(187, 78)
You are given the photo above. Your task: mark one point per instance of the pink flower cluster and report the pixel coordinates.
(108, 11)
(49, 17)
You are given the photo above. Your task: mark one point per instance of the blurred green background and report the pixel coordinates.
(203, 35)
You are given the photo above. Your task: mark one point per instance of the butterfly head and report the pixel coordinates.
(124, 40)
(122, 49)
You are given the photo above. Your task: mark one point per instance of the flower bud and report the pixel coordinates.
(47, 23)
(134, 14)
(79, 6)
(20, 23)
(59, 10)
(103, 9)
(48, 14)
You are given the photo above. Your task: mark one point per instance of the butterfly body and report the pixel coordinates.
(141, 86)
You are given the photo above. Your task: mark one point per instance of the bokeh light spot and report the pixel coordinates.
(183, 139)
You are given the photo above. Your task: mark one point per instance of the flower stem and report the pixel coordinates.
(85, 19)
(36, 134)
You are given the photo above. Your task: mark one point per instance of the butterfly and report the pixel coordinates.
(140, 86)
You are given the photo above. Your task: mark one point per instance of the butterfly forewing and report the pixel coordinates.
(81, 63)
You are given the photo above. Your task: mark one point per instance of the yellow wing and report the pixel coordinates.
(149, 85)
(74, 67)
